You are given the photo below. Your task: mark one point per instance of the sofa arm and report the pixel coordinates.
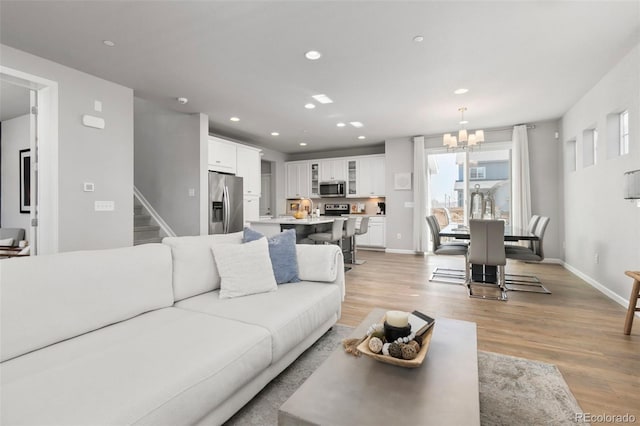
(323, 263)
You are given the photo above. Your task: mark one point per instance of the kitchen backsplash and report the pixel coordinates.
(367, 206)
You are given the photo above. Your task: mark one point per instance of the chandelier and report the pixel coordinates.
(464, 139)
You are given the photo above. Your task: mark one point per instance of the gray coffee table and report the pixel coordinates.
(346, 390)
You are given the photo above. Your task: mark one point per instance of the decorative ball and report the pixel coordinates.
(409, 352)
(385, 349)
(375, 345)
(418, 340)
(415, 345)
(395, 350)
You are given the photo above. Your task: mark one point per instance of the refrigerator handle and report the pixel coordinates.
(226, 211)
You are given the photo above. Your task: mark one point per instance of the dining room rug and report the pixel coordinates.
(513, 391)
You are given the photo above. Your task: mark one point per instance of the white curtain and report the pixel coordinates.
(520, 175)
(420, 242)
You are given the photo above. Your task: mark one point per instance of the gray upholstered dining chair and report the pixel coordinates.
(487, 249)
(446, 275)
(361, 230)
(533, 253)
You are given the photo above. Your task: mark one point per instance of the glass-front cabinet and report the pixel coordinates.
(352, 177)
(315, 179)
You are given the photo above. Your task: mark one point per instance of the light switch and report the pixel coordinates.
(104, 206)
(192, 192)
(88, 187)
(97, 105)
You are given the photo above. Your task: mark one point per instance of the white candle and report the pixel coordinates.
(397, 318)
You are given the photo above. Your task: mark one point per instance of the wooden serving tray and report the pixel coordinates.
(407, 363)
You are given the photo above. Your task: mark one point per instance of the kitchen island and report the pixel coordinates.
(303, 227)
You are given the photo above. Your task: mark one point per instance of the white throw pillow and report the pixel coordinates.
(6, 242)
(244, 268)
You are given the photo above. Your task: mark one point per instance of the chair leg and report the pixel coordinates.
(633, 302)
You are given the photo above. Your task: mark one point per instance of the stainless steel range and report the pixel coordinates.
(336, 209)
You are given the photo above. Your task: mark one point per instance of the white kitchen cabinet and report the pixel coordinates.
(375, 236)
(248, 167)
(370, 178)
(222, 155)
(251, 208)
(335, 169)
(314, 167)
(298, 179)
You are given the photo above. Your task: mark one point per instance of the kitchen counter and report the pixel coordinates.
(303, 227)
(363, 215)
(294, 221)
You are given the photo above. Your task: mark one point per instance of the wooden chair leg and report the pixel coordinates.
(633, 301)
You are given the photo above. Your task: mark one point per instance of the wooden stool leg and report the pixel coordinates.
(633, 301)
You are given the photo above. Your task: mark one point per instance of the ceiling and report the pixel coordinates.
(521, 61)
(14, 101)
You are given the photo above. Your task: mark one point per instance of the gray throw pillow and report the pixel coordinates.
(282, 251)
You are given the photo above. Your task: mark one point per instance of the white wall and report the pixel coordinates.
(15, 137)
(168, 163)
(399, 222)
(104, 157)
(597, 218)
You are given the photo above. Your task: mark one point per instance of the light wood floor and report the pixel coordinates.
(577, 328)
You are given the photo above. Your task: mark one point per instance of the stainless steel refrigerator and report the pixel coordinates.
(225, 203)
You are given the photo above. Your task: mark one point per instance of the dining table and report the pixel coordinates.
(461, 232)
(486, 273)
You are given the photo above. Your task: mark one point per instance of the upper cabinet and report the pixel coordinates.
(248, 167)
(370, 176)
(364, 176)
(335, 169)
(298, 179)
(222, 155)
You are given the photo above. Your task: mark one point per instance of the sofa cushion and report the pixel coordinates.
(244, 269)
(282, 252)
(169, 366)
(290, 314)
(7, 242)
(194, 270)
(46, 299)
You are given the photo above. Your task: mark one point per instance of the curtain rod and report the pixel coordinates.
(498, 129)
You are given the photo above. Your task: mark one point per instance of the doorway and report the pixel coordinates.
(42, 159)
(267, 188)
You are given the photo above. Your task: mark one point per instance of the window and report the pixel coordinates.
(589, 147)
(476, 173)
(624, 132)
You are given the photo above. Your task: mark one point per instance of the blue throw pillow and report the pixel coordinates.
(282, 251)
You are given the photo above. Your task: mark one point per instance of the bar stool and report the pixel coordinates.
(349, 232)
(633, 300)
(335, 236)
(362, 229)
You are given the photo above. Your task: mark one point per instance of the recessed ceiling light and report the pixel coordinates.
(234, 119)
(356, 124)
(182, 101)
(418, 38)
(108, 43)
(313, 55)
(309, 106)
(303, 144)
(362, 137)
(323, 99)
(460, 91)
(340, 124)
(464, 121)
(275, 134)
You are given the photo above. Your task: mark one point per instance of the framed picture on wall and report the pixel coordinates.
(25, 181)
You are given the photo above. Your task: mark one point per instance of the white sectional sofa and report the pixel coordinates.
(138, 335)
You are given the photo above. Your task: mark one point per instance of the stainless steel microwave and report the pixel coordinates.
(333, 188)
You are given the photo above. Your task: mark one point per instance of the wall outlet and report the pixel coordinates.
(399, 236)
(192, 192)
(597, 258)
(97, 106)
(88, 187)
(104, 206)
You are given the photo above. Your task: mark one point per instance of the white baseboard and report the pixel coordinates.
(553, 261)
(400, 251)
(604, 290)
